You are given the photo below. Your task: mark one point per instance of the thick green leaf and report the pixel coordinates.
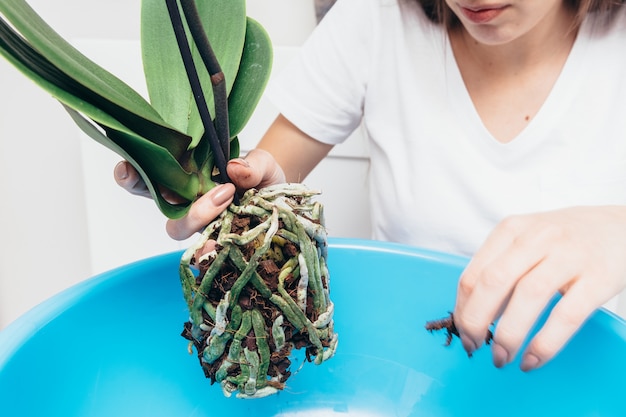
(158, 163)
(171, 211)
(154, 160)
(168, 86)
(117, 117)
(77, 81)
(63, 55)
(235, 147)
(254, 72)
(64, 88)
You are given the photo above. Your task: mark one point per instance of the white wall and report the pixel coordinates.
(63, 219)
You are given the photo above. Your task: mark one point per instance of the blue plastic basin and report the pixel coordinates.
(111, 347)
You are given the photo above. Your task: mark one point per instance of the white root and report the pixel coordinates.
(253, 362)
(260, 393)
(278, 333)
(221, 319)
(303, 284)
(325, 318)
(330, 352)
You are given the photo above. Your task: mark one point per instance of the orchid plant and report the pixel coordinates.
(265, 289)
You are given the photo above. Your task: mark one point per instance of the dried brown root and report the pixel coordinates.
(447, 324)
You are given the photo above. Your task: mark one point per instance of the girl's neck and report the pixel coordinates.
(509, 82)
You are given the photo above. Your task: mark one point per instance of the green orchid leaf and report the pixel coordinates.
(171, 211)
(168, 85)
(165, 142)
(157, 162)
(154, 160)
(252, 78)
(72, 92)
(166, 167)
(235, 147)
(64, 88)
(63, 55)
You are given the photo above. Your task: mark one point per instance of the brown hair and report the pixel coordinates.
(439, 12)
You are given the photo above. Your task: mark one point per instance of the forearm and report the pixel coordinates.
(296, 152)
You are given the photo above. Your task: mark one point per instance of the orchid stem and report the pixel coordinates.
(196, 88)
(218, 81)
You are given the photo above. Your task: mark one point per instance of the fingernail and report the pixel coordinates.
(240, 161)
(222, 194)
(121, 171)
(529, 362)
(500, 355)
(469, 346)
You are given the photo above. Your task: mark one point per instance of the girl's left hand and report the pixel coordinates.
(579, 252)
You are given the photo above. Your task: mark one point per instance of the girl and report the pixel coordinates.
(496, 130)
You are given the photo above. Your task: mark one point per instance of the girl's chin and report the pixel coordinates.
(490, 36)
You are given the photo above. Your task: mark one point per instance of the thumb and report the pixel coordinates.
(202, 212)
(258, 169)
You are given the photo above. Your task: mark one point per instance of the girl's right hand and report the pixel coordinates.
(258, 169)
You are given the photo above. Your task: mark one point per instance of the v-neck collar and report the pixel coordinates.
(548, 114)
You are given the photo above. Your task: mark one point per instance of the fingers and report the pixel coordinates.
(208, 248)
(258, 169)
(128, 178)
(202, 212)
(530, 297)
(509, 253)
(524, 263)
(564, 320)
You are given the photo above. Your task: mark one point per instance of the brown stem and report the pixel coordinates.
(196, 87)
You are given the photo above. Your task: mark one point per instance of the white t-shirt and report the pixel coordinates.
(438, 178)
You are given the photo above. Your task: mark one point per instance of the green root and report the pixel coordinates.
(262, 292)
